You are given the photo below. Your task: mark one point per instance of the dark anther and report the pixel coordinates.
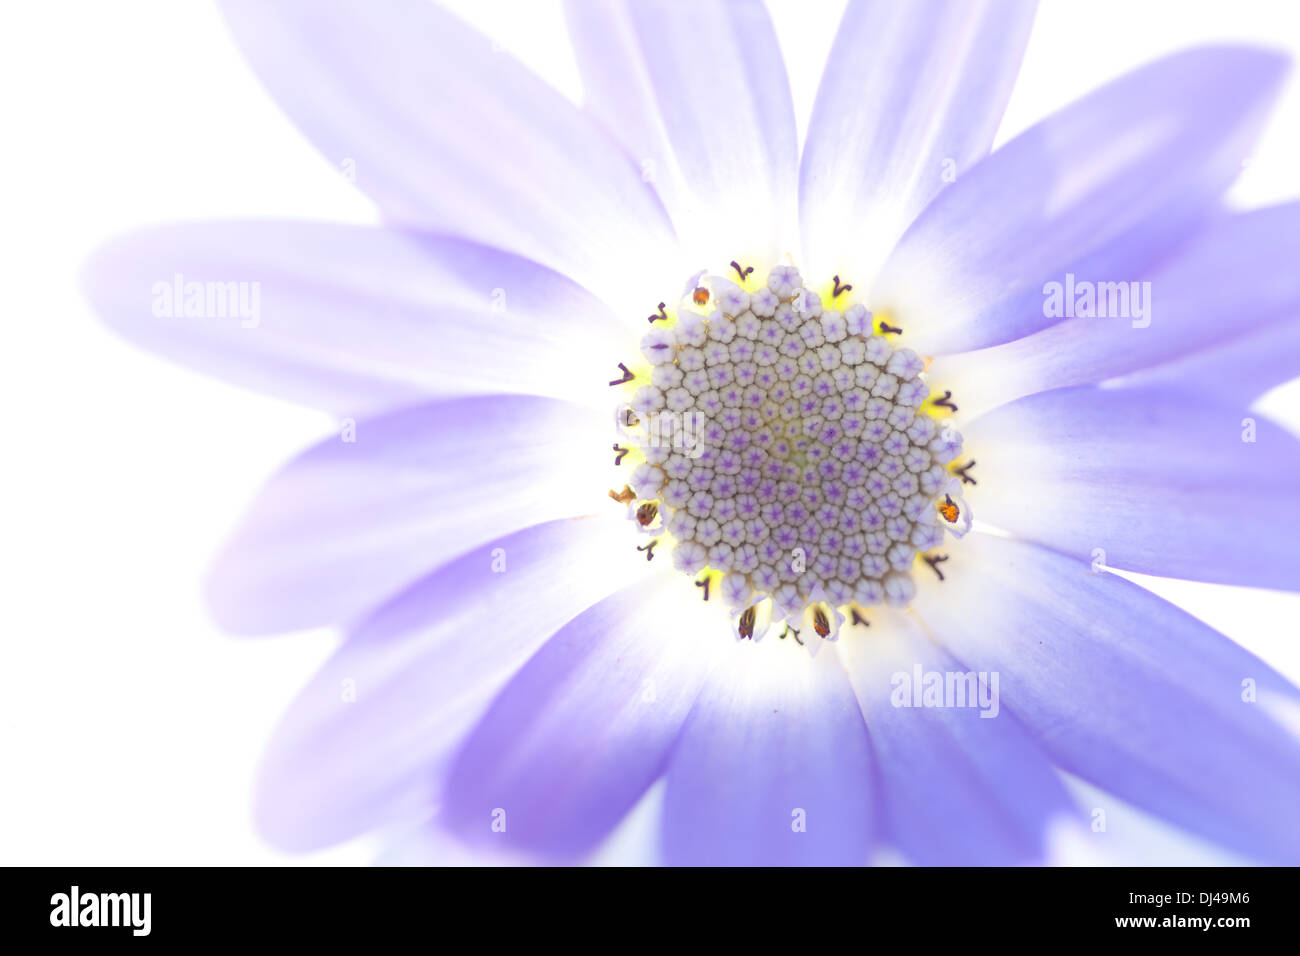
(649, 549)
(839, 289)
(961, 473)
(630, 419)
(622, 453)
(858, 618)
(704, 584)
(624, 496)
(743, 273)
(627, 376)
(821, 623)
(747, 622)
(945, 401)
(646, 514)
(934, 561)
(885, 327)
(660, 316)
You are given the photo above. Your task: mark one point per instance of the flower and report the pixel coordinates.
(522, 665)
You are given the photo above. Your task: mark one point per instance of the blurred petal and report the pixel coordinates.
(698, 94)
(958, 787)
(447, 133)
(578, 735)
(1235, 282)
(911, 97)
(428, 845)
(1125, 690)
(774, 767)
(1100, 189)
(365, 742)
(347, 524)
(1161, 481)
(353, 318)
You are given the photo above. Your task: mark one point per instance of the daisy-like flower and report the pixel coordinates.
(679, 468)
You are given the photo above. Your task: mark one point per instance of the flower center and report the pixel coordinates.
(788, 451)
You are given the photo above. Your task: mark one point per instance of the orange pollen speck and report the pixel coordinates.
(701, 296)
(821, 624)
(949, 510)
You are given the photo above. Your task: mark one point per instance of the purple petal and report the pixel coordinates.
(775, 743)
(1126, 690)
(446, 133)
(347, 524)
(1234, 287)
(958, 787)
(1100, 189)
(579, 734)
(1160, 481)
(712, 124)
(911, 96)
(1239, 372)
(365, 742)
(356, 319)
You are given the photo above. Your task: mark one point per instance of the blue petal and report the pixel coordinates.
(584, 728)
(1101, 189)
(911, 97)
(1163, 481)
(366, 742)
(447, 133)
(957, 788)
(1239, 372)
(1218, 315)
(1126, 691)
(697, 94)
(357, 319)
(775, 742)
(348, 524)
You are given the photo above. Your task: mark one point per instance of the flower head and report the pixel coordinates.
(829, 404)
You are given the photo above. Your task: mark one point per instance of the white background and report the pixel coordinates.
(129, 726)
